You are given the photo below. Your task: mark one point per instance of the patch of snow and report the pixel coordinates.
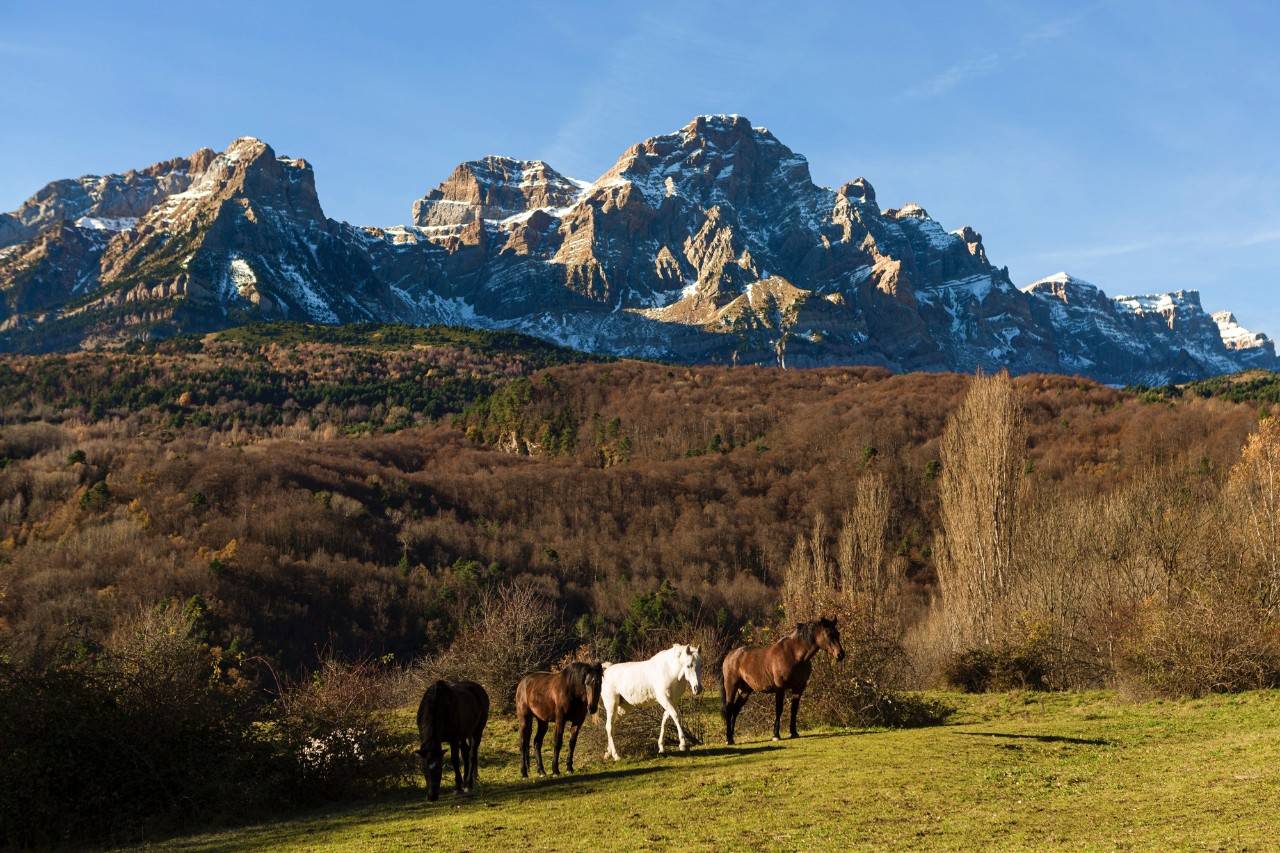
(316, 307)
(242, 276)
(94, 223)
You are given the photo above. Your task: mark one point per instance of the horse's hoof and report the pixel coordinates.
(775, 737)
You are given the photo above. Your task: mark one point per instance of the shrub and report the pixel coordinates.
(1201, 646)
(986, 668)
(331, 734)
(512, 630)
(158, 731)
(153, 731)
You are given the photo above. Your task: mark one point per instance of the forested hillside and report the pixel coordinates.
(350, 490)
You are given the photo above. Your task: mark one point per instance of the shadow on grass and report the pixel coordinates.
(737, 749)
(410, 802)
(1082, 741)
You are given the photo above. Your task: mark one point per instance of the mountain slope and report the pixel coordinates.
(711, 243)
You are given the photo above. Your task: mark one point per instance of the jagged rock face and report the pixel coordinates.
(1252, 348)
(494, 188)
(708, 244)
(107, 202)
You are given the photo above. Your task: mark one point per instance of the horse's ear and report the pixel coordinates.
(695, 650)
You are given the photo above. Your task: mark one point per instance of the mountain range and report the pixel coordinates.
(709, 244)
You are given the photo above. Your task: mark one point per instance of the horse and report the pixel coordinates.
(456, 713)
(567, 696)
(662, 677)
(785, 665)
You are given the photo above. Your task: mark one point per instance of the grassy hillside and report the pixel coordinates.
(1025, 771)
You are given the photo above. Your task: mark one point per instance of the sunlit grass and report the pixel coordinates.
(1013, 770)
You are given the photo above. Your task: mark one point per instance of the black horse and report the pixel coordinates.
(456, 713)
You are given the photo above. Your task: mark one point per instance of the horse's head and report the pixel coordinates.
(592, 678)
(431, 755)
(827, 635)
(689, 659)
(437, 704)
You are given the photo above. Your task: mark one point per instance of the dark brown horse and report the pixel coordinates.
(567, 696)
(775, 669)
(456, 713)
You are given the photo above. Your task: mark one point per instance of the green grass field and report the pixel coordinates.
(1023, 771)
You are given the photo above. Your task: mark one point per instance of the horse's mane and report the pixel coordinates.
(806, 631)
(576, 674)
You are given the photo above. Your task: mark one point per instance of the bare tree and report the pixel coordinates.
(867, 572)
(1253, 491)
(982, 457)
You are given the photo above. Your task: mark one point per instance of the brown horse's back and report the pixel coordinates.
(764, 669)
(535, 695)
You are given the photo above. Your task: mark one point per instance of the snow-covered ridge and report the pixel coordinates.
(1235, 336)
(1159, 303)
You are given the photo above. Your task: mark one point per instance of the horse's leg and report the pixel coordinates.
(457, 766)
(556, 743)
(526, 729)
(670, 708)
(728, 694)
(475, 760)
(464, 748)
(779, 698)
(795, 709)
(662, 730)
(537, 745)
(610, 706)
(738, 695)
(573, 743)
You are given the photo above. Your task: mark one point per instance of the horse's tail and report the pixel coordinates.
(724, 695)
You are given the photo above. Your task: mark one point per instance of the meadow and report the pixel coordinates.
(1019, 770)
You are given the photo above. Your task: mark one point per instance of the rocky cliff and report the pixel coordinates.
(711, 243)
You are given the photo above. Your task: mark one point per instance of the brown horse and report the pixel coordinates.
(775, 669)
(456, 713)
(567, 696)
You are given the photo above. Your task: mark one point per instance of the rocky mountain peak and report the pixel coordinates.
(1239, 339)
(711, 160)
(859, 190)
(1062, 286)
(709, 243)
(495, 188)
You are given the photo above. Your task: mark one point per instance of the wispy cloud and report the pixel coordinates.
(1265, 235)
(951, 77)
(981, 65)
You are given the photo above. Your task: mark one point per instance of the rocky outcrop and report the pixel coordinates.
(711, 243)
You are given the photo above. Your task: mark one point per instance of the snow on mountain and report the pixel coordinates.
(710, 243)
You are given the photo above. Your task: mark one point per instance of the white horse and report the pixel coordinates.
(662, 678)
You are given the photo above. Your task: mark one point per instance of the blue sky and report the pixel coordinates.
(1133, 144)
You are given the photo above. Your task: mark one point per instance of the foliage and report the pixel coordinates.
(159, 729)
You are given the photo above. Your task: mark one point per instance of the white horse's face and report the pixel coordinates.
(690, 659)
